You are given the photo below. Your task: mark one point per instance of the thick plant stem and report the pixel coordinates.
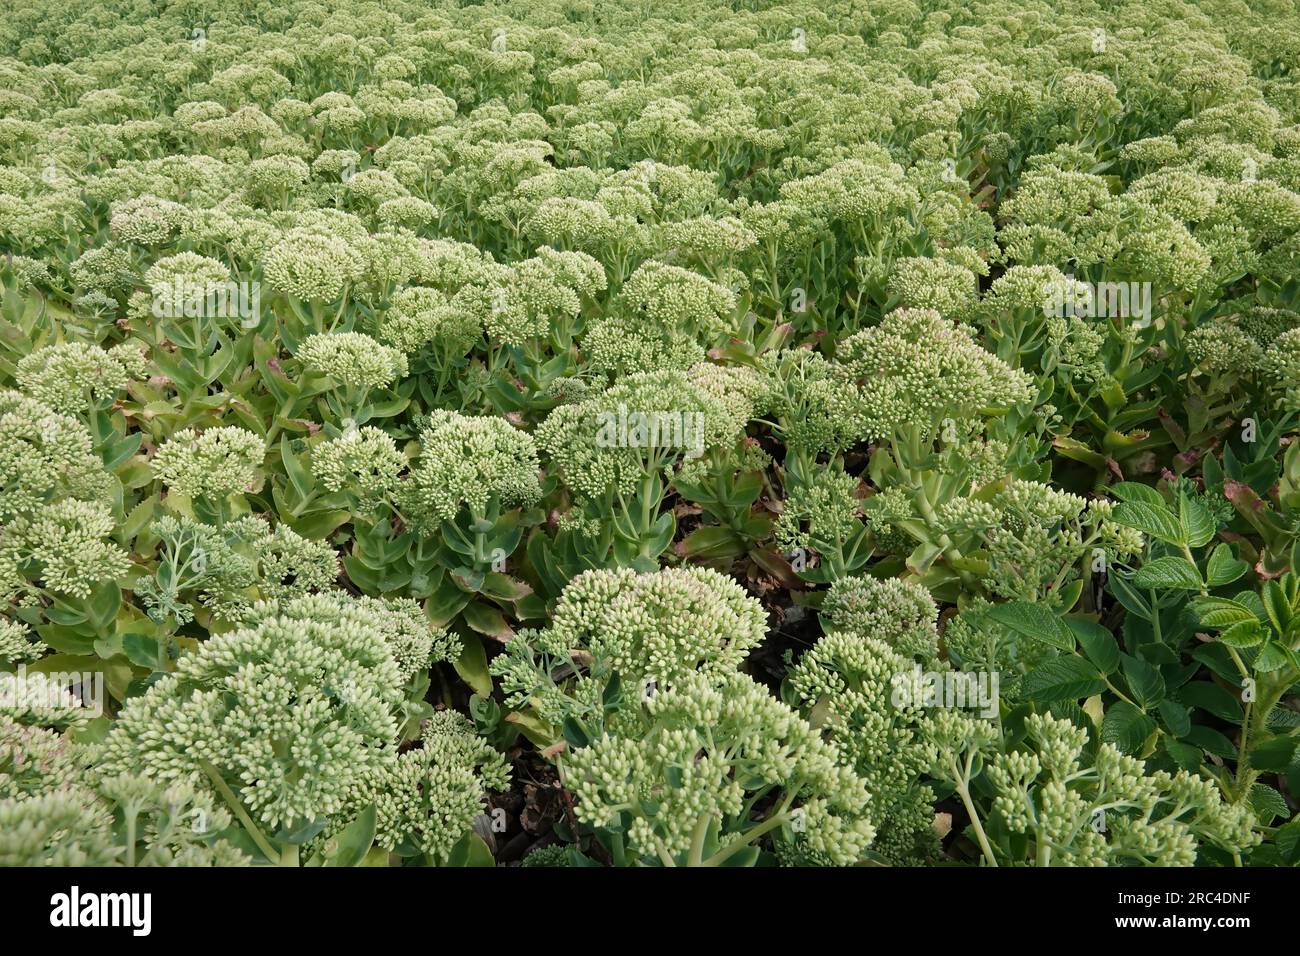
(697, 840)
(1253, 725)
(962, 782)
(254, 831)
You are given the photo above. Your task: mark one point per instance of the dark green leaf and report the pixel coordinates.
(574, 734)
(1273, 754)
(1211, 698)
(1223, 568)
(1197, 522)
(1267, 803)
(1132, 491)
(1211, 740)
(1175, 716)
(1168, 572)
(1126, 727)
(1132, 600)
(1184, 755)
(1145, 682)
(1099, 645)
(1147, 518)
(1035, 622)
(1063, 678)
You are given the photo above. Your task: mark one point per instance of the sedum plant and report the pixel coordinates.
(679, 788)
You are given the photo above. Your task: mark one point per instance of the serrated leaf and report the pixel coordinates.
(1185, 755)
(139, 517)
(1211, 698)
(1170, 571)
(1273, 754)
(141, 650)
(1221, 612)
(1211, 740)
(1160, 523)
(1035, 622)
(1175, 716)
(1197, 522)
(1145, 682)
(487, 620)
(319, 525)
(1223, 567)
(1270, 658)
(298, 475)
(1133, 491)
(502, 587)
(1267, 803)
(1063, 678)
(1277, 605)
(1098, 644)
(1126, 727)
(1287, 841)
(1242, 634)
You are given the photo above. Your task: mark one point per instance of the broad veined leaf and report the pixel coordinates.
(1158, 522)
(1126, 727)
(1211, 698)
(1034, 621)
(1223, 568)
(1133, 491)
(1242, 634)
(1222, 612)
(1197, 522)
(1170, 571)
(1145, 682)
(1098, 644)
(1063, 678)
